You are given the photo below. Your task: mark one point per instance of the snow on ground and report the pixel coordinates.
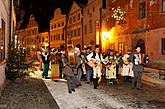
(85, 97)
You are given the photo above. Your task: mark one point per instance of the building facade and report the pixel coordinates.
(91, 18)
(57, 29)
(31, 33)
(75, 25)
(43, 40)
(5, 30)
(144, 25)
(155, 40)
(21, 34)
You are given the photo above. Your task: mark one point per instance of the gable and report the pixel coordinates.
(74, 7)
(58, 15)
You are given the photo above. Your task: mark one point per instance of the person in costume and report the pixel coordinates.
(139, 60)
(96, 59)
(111, 67)
(45, 59)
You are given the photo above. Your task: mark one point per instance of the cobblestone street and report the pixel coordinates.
(118, 96)
(27, 94)
(32, 93)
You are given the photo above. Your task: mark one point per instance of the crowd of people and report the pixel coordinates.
(73, 63)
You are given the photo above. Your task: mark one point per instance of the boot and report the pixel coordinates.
(97, 79)
(94, 82)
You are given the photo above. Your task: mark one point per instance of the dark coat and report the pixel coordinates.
(68, 71)
(45, 61)
(139, 67)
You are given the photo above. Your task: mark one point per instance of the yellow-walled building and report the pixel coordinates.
(31, 33)
(57, 29)
(43, 39)
(74, 25)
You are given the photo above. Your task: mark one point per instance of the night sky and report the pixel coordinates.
(43, 10)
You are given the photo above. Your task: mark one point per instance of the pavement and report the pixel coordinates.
(117, 96)
(27, 93)
(37, 93)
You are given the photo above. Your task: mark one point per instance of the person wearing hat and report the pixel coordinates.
(96, 58)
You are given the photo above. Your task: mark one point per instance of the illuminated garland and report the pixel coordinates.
(118, 14)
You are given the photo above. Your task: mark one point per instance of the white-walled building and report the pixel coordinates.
(4, 34)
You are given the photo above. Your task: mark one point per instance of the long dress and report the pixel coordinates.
(55, 72)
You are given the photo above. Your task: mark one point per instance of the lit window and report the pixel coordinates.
(2, 41)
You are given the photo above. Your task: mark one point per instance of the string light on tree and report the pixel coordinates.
(118, 14)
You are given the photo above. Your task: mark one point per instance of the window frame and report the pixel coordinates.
(142, 10)
(163, 6)
(163, 46)
(2, 39)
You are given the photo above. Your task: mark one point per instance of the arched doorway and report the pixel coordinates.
(141, 43)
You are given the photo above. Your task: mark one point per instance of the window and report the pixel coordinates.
(55, 26)
(62, 23)
(2, 41)
(51, 37)
(163, 6)
(39, 39)
(88, 12)
(79, 16)
(90, 26)
(112, 46)
(68, 32)
(79, 32)
(58, 24)
(104, 4)
(58, 37)
(121, 47)
(52, 27)
(85, 29)
(71, 33)
(54, 37)
(74, 18)
(42, 39)
(93, 9)
(32, 39)
(62, 36)
(70, 21)
(142, 9)
(75, 33)
(163, 46)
